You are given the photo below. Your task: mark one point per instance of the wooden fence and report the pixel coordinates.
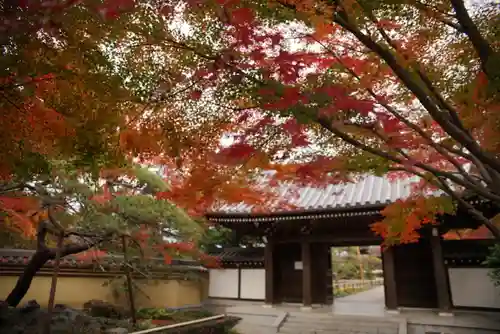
(348, 287)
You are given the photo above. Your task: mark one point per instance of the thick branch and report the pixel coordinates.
(39, 259)
(482, 47)
(441, 118)
(472, 210)
(425, 79)
(441, 16)
(481, 191)
(439, 148)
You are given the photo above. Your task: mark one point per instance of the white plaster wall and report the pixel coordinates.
(253, 284)
(223, 283)
(473, 288)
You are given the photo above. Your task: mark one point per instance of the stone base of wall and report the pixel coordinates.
(433, 329)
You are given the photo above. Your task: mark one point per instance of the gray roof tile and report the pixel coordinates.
(367, 190)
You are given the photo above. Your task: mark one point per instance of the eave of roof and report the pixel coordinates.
(239, 254)
(368, 210)
(20, 257)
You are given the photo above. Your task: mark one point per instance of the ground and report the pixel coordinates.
(361, 313)
(370, 302)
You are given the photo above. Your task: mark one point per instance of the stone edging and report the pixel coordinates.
(280, 320)
(182, 324)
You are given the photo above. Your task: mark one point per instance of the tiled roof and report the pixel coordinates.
(20, 257)
(366, 191)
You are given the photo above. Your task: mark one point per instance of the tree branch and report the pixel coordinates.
(441, 118)
(439, 148)
(443, 16)
(472, 210)
(42, 255)
(388, 156)
(482, 47)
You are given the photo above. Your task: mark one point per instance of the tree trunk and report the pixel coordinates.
(37, 261)
(24, 281)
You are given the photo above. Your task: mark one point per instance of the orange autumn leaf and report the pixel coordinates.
(323, 29)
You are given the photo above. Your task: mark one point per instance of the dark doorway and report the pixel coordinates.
(289, 273)
(415, 282)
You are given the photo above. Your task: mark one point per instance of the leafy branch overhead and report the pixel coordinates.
(218, 91)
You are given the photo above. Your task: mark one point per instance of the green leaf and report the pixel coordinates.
(151, 179)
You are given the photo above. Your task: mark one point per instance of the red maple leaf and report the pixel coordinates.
(257, 55)
(292, 127)
(242, 16)
(195, 94)
(111, 9)
(391, 125)
(167, 10)
(90, 255)
(300, 140)
(389, 25)
(275, 39)
(243, 117)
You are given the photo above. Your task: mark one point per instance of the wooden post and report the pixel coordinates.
(53, 284)
(269, 273)
(129, 280)
(306, 275)
(440, 274)
(329, 276)
(239, 280)
(391, 301)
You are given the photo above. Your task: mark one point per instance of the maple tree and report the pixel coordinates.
(93, 86)
(336, 87)
(76, 115)
(362, 72)
(90, 216)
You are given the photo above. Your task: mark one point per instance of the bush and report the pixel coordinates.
(493, 262)
(175, 316)
(100, 308)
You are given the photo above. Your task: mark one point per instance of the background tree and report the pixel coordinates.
(92, 214)
(347, 264)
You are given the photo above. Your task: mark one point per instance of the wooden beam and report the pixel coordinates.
(388, 263)
(331, 239)
(440, 273)
(306, 274)
(269, 272)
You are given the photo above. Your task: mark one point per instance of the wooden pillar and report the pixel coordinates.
(388, 262)
(239, 280)
(440, 274)
(329, 276)
(269, 272)
(306, 275)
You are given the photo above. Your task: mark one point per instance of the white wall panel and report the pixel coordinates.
(472, 287)
(223, 283)
(253, 284)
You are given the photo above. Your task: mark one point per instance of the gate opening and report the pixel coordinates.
(358, 280)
